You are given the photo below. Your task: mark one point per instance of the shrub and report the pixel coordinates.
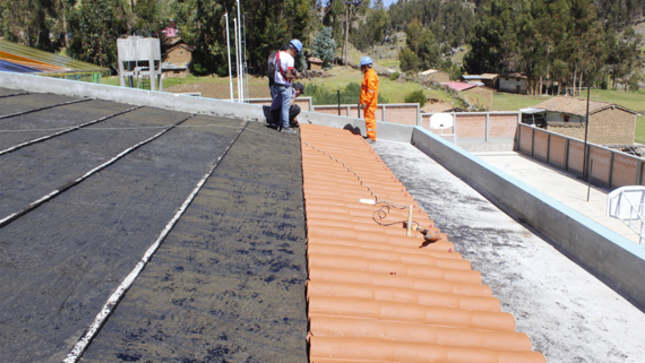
(416, 97)
(321, 95)
(394, 76)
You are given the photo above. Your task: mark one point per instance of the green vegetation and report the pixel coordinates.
(394, 76)
(416, 97)
(513, 102)
(390, 63)
(640, 129)
(321, 95)
(563, 41)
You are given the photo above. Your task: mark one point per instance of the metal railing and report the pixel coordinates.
(628, 205)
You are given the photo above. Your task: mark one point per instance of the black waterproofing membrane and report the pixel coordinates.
(227, 284)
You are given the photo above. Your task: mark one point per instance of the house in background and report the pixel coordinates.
(609, 124)
(513, 82)
(315, 64)
(490, 80)
(434, 75)
(177, 56)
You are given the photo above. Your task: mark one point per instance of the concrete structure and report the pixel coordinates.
(609, 168)
(513, 82)
(608, 123)
(611, 257)
(479, 131)
(140, 57)
(398, 113)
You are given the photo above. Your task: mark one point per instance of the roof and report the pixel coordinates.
(513, 75)
(226, 266)
(472, 77)
(490, 76)
(531, 110)
(173, 43)
(228, 282)
(459, 86)
(314, 60)
(577, 106)
(430, 71)
(372, 286)
(43, 62)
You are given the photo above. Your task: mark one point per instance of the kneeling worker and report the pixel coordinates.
(369, 96)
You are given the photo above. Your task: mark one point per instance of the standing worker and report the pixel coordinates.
(369, 97)
(284, 74)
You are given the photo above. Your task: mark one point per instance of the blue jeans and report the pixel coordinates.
(285, 92)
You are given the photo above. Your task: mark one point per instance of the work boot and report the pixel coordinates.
(288, 131)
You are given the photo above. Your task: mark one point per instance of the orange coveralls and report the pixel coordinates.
(369, 96)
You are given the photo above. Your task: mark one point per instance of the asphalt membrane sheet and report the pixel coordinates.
(226, 285)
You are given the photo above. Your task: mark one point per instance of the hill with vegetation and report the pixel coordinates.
(567, 43)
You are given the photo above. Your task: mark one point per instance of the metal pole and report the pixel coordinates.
(585, 162)
(589, 185)
(338, 93)
(237, 58)
(228, 52)
(246, 70)
(239, 25)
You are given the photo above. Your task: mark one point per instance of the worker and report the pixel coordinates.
(369, 97)
(294, 110)
(285, 72)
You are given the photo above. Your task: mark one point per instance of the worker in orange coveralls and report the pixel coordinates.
(369, 97)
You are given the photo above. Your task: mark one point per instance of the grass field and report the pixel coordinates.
(513, 102)
(393, 91)
(640, 129)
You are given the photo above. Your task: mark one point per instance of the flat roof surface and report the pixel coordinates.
(561, 186)
(570, 315)
(228, 281)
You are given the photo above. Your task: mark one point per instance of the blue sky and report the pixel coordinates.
(387, 3)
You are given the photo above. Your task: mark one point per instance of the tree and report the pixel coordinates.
(422, 51)
(493, 39)
(324, 47)
(29, 22)
(351, 7)
(94, 33)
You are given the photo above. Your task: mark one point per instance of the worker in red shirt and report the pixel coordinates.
(369, 96)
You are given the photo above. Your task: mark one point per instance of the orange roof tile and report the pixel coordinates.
(377, 295)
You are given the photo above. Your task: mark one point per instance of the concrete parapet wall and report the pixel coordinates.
(610, 168)
(397, 113)
(303, 102)
(184, 103)
(615, 260)
(479, 131)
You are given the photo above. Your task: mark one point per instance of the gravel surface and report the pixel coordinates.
(569, 315)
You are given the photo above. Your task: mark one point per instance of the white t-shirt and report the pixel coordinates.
(286, 62)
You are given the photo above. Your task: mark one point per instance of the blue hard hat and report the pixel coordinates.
(296, 44)
(365, 61)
